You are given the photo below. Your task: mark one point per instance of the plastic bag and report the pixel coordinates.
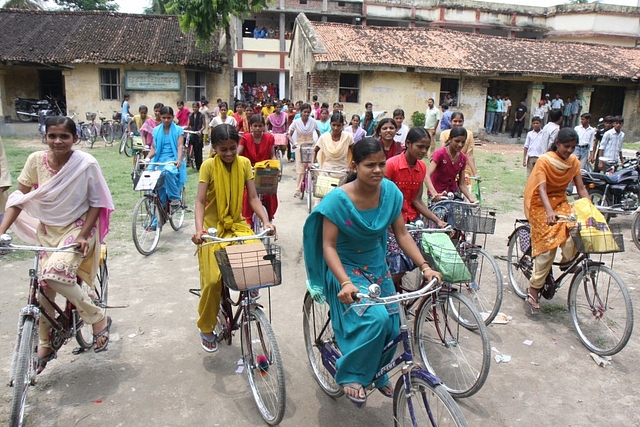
(595, 234)
(446, 258)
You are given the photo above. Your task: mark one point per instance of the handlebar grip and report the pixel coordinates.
(356, 296)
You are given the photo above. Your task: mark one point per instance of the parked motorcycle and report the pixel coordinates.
(617, 191)
(29, 109)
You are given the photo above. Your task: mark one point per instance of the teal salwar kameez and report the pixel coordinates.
(361, 332)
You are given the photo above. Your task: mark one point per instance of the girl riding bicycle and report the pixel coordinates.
(258, 146)
(70, 202)
(544, 198)
(344, 250)
(333, 149)
(223, 180)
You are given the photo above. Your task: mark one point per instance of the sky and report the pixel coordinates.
(137, 6)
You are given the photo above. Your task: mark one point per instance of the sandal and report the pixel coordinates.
(536, 302)
(386, 391)
(298, 195)
(359, 401)
(101, 334)
(213, 340)
(42, 361)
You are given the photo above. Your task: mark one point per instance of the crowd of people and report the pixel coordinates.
(345, 237)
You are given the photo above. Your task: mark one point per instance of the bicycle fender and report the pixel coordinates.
(426, 376)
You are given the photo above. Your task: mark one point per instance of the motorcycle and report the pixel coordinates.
(29, 109)
(615, 192)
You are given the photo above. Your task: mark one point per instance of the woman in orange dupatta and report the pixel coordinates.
(544, 198)
(258, 146)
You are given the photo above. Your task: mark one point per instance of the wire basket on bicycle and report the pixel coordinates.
(325, 181)
(250, 266)
(90, 116)
(601, 240)
(471, 218)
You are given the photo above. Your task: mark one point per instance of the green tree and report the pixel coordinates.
(208, 17)
(24, 4)
(88, 4)
(158, 7)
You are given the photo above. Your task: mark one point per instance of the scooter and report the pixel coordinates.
(615, 192)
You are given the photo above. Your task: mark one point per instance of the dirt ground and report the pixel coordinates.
(155, 372)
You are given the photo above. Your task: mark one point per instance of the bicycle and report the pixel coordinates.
(189, 153)
(469, 219)
(318, 183)
(92, 130)
(245, 272)
(116, 125)
(267, 177)
(281, 143)
(598, 300)
(65, 324)
(419, 397)
(150, 212)
(450, 333)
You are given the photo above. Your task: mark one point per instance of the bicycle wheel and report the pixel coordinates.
(263, 364)
(485, 289)
(519, 261)
(99, 294)
(177, 217)
(118, 130)
(309, 190)
(23, 372)
(318, 332)
(280, 157)
(424, 404)
(107, 134)
(146, 233)
(88, 135)
(635, 230)
(601, 310)
(123, 145)
(457, 352)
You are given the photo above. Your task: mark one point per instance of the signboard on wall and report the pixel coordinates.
(151, 80)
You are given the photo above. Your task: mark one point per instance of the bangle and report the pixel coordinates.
(424, 263)
(344, 283)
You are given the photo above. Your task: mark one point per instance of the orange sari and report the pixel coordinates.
(556, 174)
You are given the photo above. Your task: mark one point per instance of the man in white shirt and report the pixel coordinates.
(557, 103)
(432, 119)
(550, 130)
(576, 108)
(586, 135)
(611, 145)
(534, 146)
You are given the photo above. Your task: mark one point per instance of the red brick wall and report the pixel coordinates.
(316, 6)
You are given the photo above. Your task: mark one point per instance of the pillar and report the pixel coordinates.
(630, 111)
(585, 96)
(534, 94)
(282, 81)
(4, 111)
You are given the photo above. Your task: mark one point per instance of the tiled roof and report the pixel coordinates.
(63, 37)
(437, 50)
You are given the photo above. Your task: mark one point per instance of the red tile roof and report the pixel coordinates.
(63, 37)
(429, 50)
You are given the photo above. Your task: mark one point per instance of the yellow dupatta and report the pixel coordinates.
(334, 151)
(229, 190)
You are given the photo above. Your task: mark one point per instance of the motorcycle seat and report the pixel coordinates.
(596, 176)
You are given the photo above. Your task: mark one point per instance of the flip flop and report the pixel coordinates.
(386, 391)
(359, 401)
(100, 334)
(534, 309)
(213, 340)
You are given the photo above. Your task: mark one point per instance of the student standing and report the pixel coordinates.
(586, 136)
(518, 124)
(534, 146)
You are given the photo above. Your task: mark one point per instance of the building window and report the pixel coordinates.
(195, 86)
(303, 1)
(341, 3)
(308, 85)
(110, 89)
(449, 91)
(349, 90)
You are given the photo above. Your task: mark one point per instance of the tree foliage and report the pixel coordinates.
(88, 4)
(207, 17)
(158, 7)
(24, 4)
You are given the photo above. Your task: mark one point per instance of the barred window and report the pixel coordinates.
(110, 89)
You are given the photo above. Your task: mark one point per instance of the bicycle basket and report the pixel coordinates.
(117, 116)
(266, 176)
(306, 153)
(148, 180)
(600, 239)
(250, 266)
(443, 256)
(325, 182)
(90, 116)
(470, 218)
(280, 138)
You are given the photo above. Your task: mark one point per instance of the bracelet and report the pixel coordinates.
(344, 283)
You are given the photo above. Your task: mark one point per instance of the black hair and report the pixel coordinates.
(367, 104)
(256, 118)
(158, 105)
(305, 106)
(181, 102)
(325, 105)
(166, 110)
(398, 112)
(564, 135)
(195, 104)
(224, 132)
(456, 114)
(608, 119)
(384, 122)
(586, 116)
(363, 149)
(444, 105)
(457, 131)
(68, 124)
(337, 117)
(223, 104)
(142, 107)
(536, 119)
(354, 116)
(555, 115)
(618, 119)
(416, 134)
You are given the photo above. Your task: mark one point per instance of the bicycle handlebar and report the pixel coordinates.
(419, 227)
(6, 244)
(211, 235)
(375, 299)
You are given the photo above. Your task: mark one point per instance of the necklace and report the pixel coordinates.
(453, 158)
(257, 140)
